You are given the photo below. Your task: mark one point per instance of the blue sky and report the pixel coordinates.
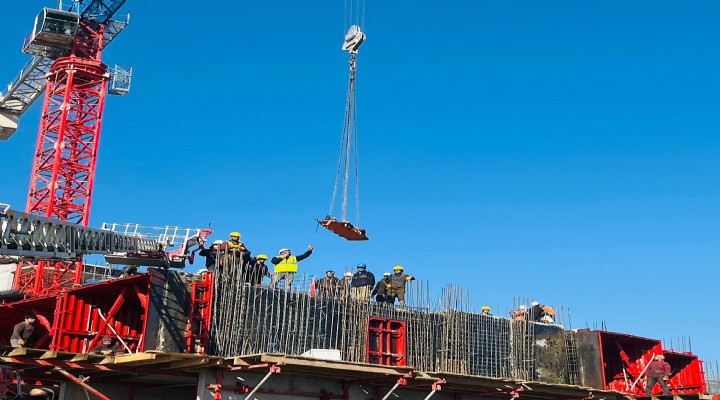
(559, 150)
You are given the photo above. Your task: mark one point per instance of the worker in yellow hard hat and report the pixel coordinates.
(256, 270)
(398, 281)
(234, 247)
(486, 310)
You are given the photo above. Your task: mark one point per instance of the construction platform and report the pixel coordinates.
(273, 376)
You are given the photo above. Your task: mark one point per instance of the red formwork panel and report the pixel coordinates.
(386, 342)
(76, 319)
(624, 358)
(46, 309)
(116, 308)
(687, 374)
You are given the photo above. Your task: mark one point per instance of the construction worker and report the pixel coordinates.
(329, 286)
(346, 286)
(485, 310)
(107, 348)
(286, 266)
(520, 313)
(362, 283)
(658, 371)
(235, 247)
(257, 270)
(383, 290)
(398, 281)
(22, 332)
(211, 255)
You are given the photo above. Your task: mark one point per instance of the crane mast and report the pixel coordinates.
(66, 46)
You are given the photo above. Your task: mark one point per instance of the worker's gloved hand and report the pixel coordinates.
(21, 342)
(106, 352)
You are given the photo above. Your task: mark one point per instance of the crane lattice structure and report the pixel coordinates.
(66, 47)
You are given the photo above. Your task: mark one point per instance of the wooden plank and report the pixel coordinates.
(141, 359)
(330, 364)
(195, 362)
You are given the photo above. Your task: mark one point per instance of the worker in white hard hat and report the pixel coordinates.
(520, 313)
(329, 286)
(211, 255)
(286, 266)
(399, 279)
(383, 290)
(346, 285)
(535, 311)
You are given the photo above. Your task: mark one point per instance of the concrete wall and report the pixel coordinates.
(282, 382)
(72, 391)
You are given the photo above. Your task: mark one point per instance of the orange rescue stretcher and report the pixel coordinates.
(343, 229)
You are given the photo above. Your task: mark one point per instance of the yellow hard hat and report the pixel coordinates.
(398, 268)
(237, 234)
(261, 257)
(486, 308)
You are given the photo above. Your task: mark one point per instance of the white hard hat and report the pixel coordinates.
(535, 303)
(217, 242)
(348, 274)
(281, 250)
(386, 274)
(523, 307)
(202, 270)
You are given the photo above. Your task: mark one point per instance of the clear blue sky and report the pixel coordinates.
(559, 150)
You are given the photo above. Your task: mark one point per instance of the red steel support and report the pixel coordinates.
(110, 316)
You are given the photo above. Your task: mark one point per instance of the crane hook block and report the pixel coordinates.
(343, 229)
(353, 39)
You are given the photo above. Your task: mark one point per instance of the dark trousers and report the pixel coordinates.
(651, 381)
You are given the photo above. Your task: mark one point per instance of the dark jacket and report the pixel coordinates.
(658, 369)
(536, 313)
(328, 286)
(22, 331)
(277, 260)
(383, 287)
(210, 255)
(113, 349)
(361, 279)
(399, 281)
(255, 272)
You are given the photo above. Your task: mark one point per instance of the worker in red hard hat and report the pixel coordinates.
(286, 266)
(107, 347)
(658, 371)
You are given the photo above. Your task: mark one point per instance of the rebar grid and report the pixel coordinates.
(447, 336)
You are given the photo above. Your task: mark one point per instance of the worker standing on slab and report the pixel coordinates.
(286, 266)
(211, 255)
(329, 286)
(520, 313)
(362, 283)
(657, 372)
(486, 310)
(398, 281)
(383, 290)
(257, 270)
(107, 347)
(346, 286)
(22, 332)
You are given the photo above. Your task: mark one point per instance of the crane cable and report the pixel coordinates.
(354, 12)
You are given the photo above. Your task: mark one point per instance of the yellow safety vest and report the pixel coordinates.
(289, 264)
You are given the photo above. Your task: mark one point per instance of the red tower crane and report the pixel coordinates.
(66, 46)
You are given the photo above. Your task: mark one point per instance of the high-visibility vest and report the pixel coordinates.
(289, 264)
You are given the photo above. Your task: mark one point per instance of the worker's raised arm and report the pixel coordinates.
(304, 255)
